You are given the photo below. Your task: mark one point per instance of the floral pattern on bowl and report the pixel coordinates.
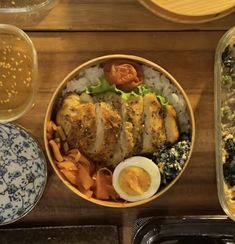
(23, 173)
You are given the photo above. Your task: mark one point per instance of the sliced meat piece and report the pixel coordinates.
(126, 143)
(109, 129)
(134, 115)
(111, 98)
(86, 98)
(127, 135)
(115, 101)
(99, 130)
(83, 128)
(93, 128)
(127, 140)
(154, 134)
(130, 141)
(68, 109)
(78, 121)
(110, 126)
(172, 131)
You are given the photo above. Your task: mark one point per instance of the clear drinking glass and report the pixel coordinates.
(18, 73)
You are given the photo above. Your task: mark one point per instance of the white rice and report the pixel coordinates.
(85, 79)
(153, 79)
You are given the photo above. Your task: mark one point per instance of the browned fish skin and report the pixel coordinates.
(109, 129)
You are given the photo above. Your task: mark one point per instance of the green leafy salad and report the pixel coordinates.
(104, 86)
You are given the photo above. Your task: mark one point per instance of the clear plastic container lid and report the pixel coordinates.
(18, 73)
(224, 121)
(23, 6)
(24, 13)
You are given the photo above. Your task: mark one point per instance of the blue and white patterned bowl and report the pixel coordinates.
(23, 173)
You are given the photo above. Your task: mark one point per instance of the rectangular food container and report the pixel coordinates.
(224, 98)
(24, 12)
(18, 73)
(184, 230)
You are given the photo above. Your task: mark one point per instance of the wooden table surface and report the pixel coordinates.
(78, 30)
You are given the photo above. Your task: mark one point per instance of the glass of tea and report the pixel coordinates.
(18, 73)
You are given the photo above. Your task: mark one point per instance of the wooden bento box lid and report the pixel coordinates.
(190, 11)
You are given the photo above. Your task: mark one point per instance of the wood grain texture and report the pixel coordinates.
(189, 57)
(106, 15)
(195, 8)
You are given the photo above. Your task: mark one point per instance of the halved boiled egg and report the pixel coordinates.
(136, 178)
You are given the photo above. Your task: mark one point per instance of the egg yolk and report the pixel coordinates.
(134, 180)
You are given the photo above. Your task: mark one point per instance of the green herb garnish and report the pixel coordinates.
(162, 100)
(104, 86)
(225, 112)
(101, 87)
(227, 81)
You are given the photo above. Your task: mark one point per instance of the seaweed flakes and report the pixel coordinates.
(229, 165)
(171, 160)
(228, 61)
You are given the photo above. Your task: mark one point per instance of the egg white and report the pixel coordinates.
(146, 164)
